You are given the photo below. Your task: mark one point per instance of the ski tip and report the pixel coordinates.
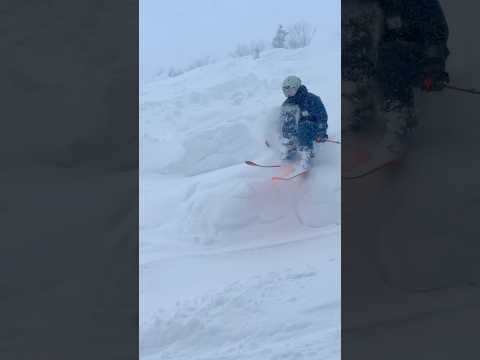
(253, 163)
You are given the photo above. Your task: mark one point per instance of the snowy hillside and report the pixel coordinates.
(233, 264)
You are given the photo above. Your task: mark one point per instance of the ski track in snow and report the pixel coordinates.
(234, 265)
(243, 319)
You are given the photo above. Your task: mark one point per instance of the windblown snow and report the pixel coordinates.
(233, 264)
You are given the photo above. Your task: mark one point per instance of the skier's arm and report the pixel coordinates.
(435, 34)
(320, 116)
(434, 25)
(431, 25)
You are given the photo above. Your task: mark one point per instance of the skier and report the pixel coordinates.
(304, 120)
(389, 47)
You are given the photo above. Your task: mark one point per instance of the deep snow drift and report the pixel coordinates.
(234, 265)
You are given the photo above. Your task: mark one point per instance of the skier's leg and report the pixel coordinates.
(306, 134)
(357, 105)
(362, 25)
(396, 75)
(288, 139)
(397, 116)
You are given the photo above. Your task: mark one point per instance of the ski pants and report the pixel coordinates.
(302, 134)
(377, 76)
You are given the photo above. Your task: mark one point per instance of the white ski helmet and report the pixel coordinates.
(291, 85)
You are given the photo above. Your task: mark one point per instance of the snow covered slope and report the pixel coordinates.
(234, 265)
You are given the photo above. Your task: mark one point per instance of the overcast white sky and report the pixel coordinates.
(175, 32)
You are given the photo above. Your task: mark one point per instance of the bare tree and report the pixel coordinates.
(174, 72)
(160, 72)
(207, 60)
(300, 35)
(241, 50)
(256, 47)
(280, 37)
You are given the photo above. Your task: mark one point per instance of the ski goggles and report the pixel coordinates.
(289, 91)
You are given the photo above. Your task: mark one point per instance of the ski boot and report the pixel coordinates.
(289, 150)
(306, 158)
(395, 143)
(398, 120)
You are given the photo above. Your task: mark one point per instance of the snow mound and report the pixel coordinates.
(213, 149)
(226, 323)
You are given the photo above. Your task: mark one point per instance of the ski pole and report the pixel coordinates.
(330, 141)
(470, 91)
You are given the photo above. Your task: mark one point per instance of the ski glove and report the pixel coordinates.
(434, 80)
(321, 138)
